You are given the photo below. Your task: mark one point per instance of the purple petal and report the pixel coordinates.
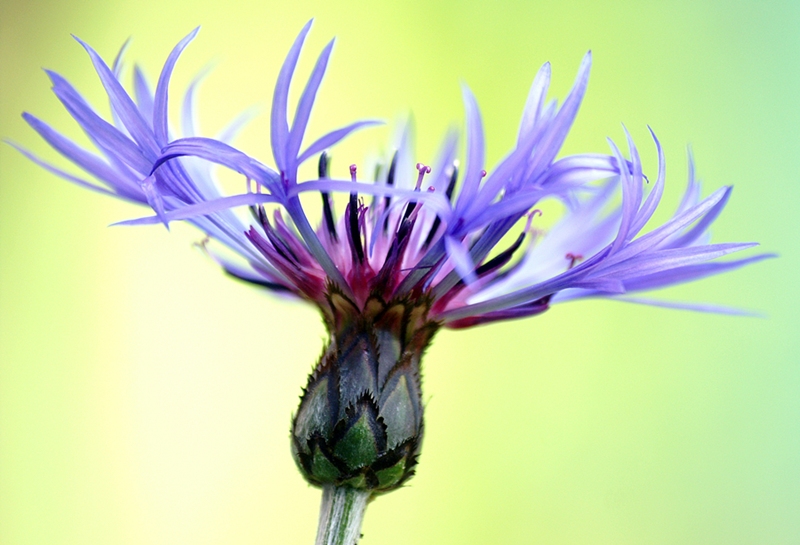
(189, 121)
(116, 67)
(517, 205)
(279, 130)
(689, 273)
(584, 167)
(638, 178)
(521, 311)
(692, 193)
(154, 199)
(60, 173)
(698, 230)
(696, 307)
(507, 175)
(253, 275)
(515, 298)
(657, 236)
(461, 260)
(670, 259)
(203, 209)
(123, 105)
(304, 106)
(476, 149)
(557, 133)
(232, 129)
(84, 159)
(444, 161)
(104, 134)
(603, 285)
(143, 93)
(333, 137)
(160, 120)
(220, 153)
(535, 102)
(651, 203)
(629, 206)
(188, 111)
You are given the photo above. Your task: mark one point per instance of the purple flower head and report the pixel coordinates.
(431, 236)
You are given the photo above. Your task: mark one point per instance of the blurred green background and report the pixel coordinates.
(145, 398)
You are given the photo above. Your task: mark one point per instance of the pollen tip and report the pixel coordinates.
(573, 258)
(483, 173)
(530, 215)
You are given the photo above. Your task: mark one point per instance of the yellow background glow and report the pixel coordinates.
(145, 398)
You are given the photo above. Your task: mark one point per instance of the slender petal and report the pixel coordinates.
(280, 101)
(160, 119)
(123, 104)
(303, 112)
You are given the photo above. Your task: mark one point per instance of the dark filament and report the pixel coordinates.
(352, 220)
(327, 208)
(500, 259)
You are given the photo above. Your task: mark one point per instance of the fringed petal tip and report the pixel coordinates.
(204, 208)
(694, 307)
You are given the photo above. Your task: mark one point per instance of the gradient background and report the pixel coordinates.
(145, 398)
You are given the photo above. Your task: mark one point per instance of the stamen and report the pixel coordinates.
(573, 259)
(530, 215)
(414, 213)
(327, 206)
(423, 170)
(352, 221)
(203, 244)
(451, 186)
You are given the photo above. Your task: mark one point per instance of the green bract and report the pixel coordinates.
(360, 418)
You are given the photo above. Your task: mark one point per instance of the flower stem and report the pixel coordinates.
(340, 515)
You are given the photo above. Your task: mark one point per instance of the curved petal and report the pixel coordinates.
(333, 137)
(223, 154)
(123, 104)
(203, 209)
(279, 126)
(160, 120)
(301, 116)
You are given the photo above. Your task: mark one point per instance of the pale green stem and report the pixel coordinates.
(340, 515)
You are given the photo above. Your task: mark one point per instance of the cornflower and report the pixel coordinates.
(409, 254)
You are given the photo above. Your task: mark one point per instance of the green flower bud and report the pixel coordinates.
(359, 423)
